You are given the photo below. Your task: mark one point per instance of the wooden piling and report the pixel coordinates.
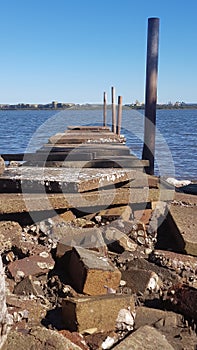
(151, 93)
(113, 110)
(119, 121)
(104, 109)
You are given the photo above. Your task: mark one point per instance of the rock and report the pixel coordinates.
(29, 286)
(114, 213)
(150, 316)
(10, 235)
(143, 215)
(158, 216)
(174, 260)
(90, 238)
(117, 241)
(34, 265)
(183, 226)
(40, 338)
(92, 273)
(26, 312)
(75, 338)
(184, 300)
(139, 280)
(99, 313)
(145, 338)
(2, 165)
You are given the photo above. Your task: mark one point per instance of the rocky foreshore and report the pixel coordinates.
(122, 277)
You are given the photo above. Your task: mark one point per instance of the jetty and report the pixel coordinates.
(96, 251)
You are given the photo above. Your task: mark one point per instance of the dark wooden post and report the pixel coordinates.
(119, 115)
(104, 109)
(113, 109)
(151, 93)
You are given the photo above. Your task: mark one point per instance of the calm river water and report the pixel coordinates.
(176, 141)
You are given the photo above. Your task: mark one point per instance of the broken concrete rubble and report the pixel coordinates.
(99, 313)
(34, 265)
(92, 273)
(145, 338)
(109, 293)
(184, 231)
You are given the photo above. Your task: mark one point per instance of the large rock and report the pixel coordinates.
(40, 338)
(92, 273)
(145, 338)
(182, 221)
(99, 313)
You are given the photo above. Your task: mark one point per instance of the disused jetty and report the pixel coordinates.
(98, 253)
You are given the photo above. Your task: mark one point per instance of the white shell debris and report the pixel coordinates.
(125, 320)
(153, 284)
(177, 183)
(108, 342)
(110, 290)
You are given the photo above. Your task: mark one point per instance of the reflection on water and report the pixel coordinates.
(176, 140)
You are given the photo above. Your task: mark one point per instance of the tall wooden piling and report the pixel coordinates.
(104, 109)
(113, 109)
(119, 121)
(151, 93)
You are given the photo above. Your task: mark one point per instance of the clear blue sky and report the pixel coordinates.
(73, 50)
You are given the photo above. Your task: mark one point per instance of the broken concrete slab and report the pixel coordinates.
(40, 338)
(114, 213)
(100, 312)
(145, 338)
(139, 280)
(149, 316)
(92, 273)
(182, 221)
(90, 202)
(43, 179)
(118, 241)
(174, 261)
(34, 265)
(69, 237)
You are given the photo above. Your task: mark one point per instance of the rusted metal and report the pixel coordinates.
(151, 92)
(119, 122)
(113, 109)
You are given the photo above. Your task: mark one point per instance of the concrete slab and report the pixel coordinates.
(182, 221)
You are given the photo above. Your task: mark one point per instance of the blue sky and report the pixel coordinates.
(73, 51)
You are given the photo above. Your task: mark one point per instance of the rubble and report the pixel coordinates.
(145, 338)
(101, 313)
(107, 253)
(91, 272)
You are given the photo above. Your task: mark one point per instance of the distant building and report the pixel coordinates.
(54, 104)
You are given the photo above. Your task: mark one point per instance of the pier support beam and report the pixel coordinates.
(104, 109)
(119, 122)
(113, 110)
(151, 93)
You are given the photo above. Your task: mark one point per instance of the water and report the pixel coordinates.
(176, 141)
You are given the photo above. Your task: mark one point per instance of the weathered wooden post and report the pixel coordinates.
(104, 109)
(151, 93)
(119, 115)
(113, 109)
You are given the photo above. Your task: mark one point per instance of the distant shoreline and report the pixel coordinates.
(94, 107)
